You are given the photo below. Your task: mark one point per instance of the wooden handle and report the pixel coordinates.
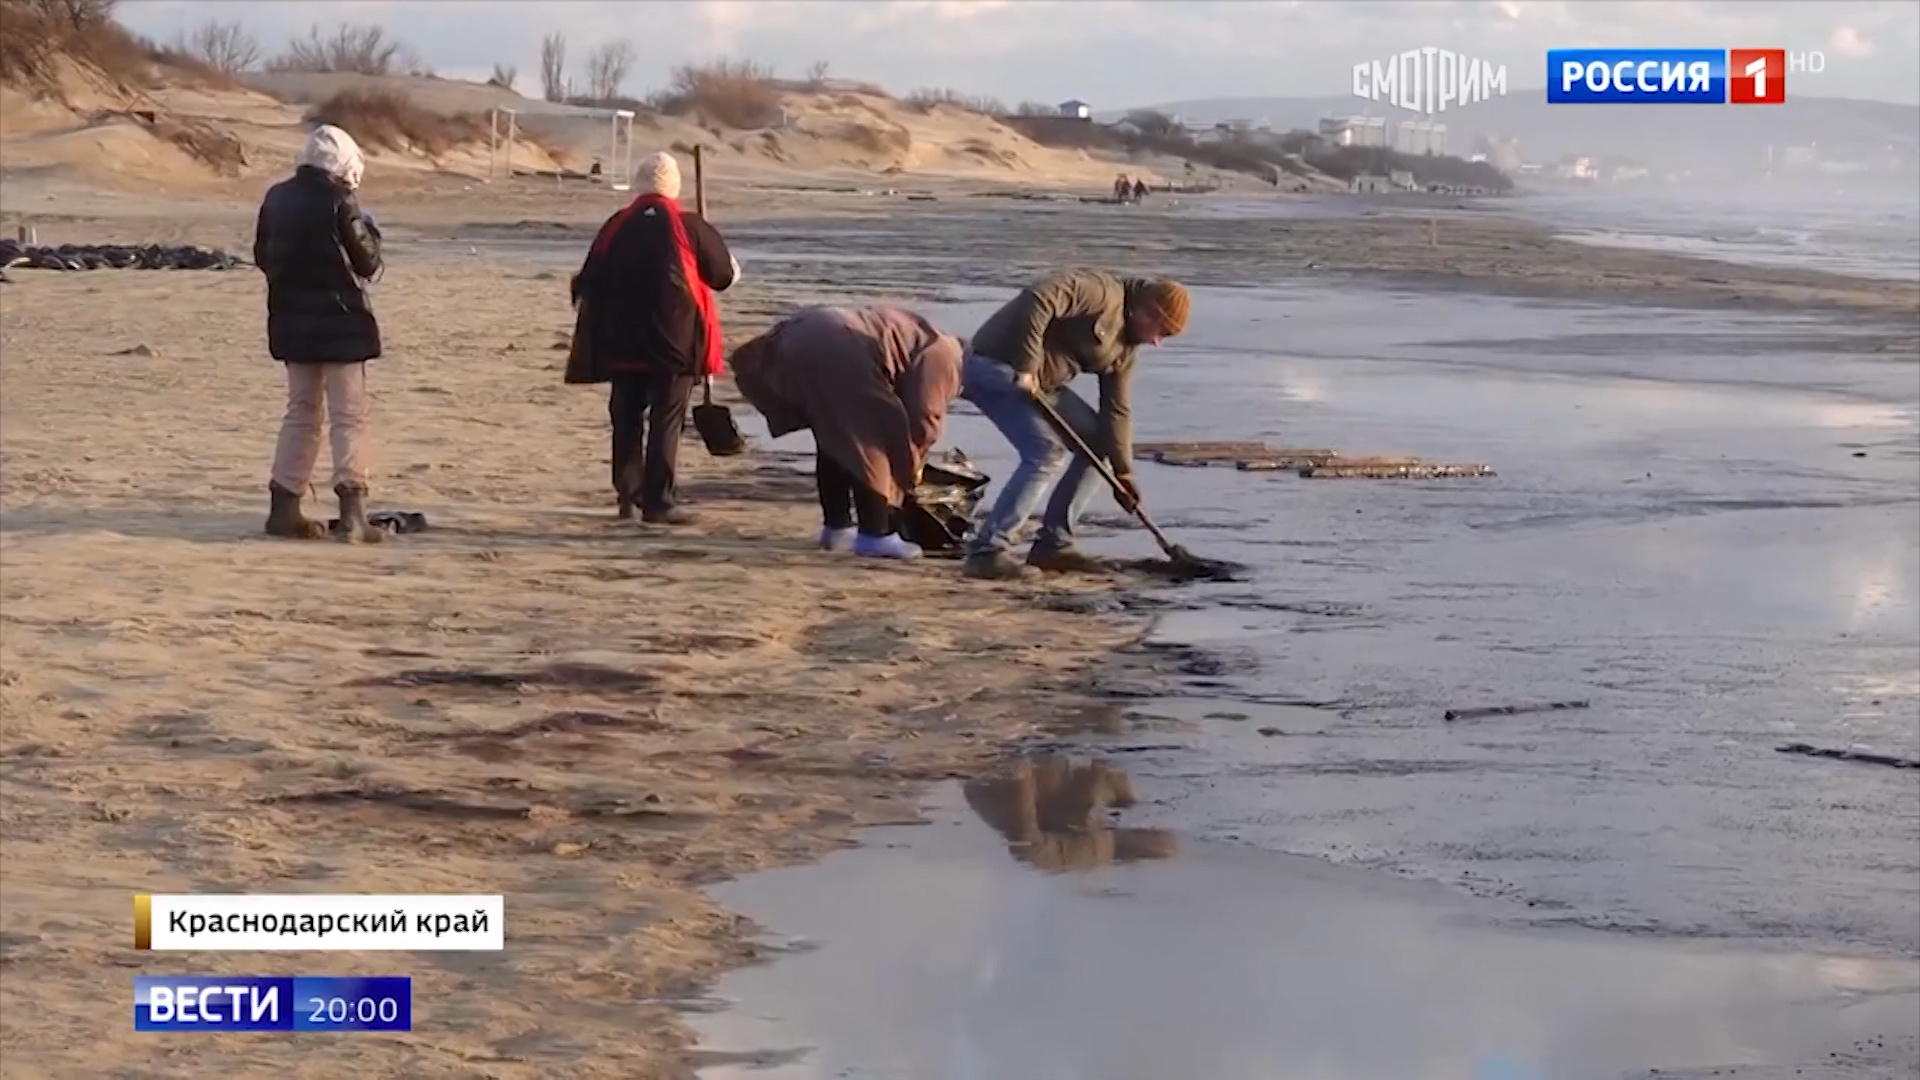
(1079, 445)
(699, 181)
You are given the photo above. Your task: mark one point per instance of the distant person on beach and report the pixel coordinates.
(1139, 190)
(873, 384)
(647, 324)
(1074, 322)
(1122, 189)
(318, 250)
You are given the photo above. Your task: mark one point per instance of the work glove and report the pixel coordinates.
(1128, 493)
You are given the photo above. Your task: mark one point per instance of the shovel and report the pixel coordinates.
(716, 426)
(714, 422)
(1184, 563)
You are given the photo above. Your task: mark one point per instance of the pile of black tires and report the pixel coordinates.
(14, 254)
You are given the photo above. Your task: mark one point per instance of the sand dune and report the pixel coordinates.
(182, 134)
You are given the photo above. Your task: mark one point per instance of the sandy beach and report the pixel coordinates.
(190, 707)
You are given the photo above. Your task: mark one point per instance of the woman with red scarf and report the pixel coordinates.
(648, 326)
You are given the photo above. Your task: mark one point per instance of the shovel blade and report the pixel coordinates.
(718, 431)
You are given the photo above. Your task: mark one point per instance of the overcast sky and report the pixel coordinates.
(1114, 55)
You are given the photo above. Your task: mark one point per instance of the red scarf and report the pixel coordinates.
(712, 363)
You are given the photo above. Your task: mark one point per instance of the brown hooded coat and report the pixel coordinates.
(872, 383)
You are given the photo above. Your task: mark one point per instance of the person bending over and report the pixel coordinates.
(1072, 322)
(873, 384)
(652, 331)
(318, 250)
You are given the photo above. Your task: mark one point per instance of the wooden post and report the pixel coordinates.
(513, 132)
(699, 181)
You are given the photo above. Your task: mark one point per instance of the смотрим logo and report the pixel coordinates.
(1428, 80)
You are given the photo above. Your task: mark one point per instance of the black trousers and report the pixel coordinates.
(647, 412)
(844, 500)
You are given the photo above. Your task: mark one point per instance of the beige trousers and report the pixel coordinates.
(340, 392)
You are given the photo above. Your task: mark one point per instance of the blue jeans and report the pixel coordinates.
(989, 385)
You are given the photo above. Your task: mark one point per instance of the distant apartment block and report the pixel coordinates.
(1405, 136)
(1354, 130)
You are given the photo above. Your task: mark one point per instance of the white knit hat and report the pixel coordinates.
(658, 174)
(334, 152)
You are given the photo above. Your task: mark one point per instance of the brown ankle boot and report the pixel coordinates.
(285, 519)
(353, 516)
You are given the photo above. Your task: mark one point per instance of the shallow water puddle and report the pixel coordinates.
(980, 949)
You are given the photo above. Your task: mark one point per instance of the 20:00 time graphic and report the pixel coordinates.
(338, 1011)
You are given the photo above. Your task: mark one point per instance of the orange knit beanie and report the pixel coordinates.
(1166, 301)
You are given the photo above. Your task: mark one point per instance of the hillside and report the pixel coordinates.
(104, 109)
(821, 133)
(1709, 140)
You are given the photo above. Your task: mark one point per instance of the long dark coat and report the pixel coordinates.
(873, 384)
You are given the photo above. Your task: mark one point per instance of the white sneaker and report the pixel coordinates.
(837, 539)
(889, 546)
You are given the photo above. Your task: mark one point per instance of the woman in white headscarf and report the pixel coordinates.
(318, 250)
(648, 325)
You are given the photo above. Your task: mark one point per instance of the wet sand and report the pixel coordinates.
(209, 722)
(944, 953)
(1703, 524)
(1706, 524)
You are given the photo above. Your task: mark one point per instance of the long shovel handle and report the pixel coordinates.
(1080, 447)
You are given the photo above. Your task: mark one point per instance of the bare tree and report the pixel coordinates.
(504, 76)
(225, 47)
(553, 67)
(1153, 122)
(607, 68)
(817, 75)
(78, 14)
(357, 48)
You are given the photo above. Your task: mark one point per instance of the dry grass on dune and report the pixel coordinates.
(737, 93)
(39, 33)
(391, 121)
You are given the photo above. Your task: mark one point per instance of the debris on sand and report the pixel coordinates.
(1308, 463)
(1863, 756)
(1514, 710)
(1188, 569)
(1367, 469)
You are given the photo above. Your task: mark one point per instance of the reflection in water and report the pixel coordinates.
(1052, 811)
(942, 959)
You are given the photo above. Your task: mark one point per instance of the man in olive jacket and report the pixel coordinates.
(1074, 322)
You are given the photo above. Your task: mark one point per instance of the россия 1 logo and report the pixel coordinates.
(1674, 76)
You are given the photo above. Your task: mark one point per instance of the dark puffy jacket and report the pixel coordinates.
(317, 253)
(639, 313)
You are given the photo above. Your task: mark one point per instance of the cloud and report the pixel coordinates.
(1846, 41)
